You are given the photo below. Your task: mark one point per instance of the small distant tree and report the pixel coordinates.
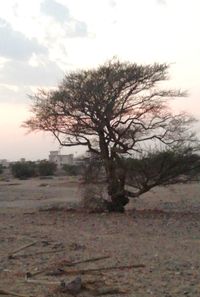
(1, 168)
(24, 170)
(46, 168)
(72, 170)
(117, 109)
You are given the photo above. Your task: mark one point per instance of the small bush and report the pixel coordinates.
(46, 168)
(24, 170)
(1, 168)
(72, 170)
(163, 168)
(92, 199)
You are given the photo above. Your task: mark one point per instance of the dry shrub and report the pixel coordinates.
(93, 198)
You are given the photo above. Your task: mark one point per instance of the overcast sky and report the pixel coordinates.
(41, 40)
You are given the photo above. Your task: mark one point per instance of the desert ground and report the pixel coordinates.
(158, 237)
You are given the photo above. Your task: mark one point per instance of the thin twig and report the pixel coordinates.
(40, 253)
(84, 271)
(71, 264)
(5, 292)
(108, 291)
(11, 255)
(88, 260)
(42, 282)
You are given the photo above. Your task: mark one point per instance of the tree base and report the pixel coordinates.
(117, 205)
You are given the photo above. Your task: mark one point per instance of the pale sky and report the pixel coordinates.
(41, 40)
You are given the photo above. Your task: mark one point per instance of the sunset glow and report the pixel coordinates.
(43, 39)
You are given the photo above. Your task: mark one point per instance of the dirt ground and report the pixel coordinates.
(160, 231)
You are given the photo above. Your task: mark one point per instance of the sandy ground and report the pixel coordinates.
(34, 193)
(160, 231)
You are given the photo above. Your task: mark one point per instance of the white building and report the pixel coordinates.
(59, 159)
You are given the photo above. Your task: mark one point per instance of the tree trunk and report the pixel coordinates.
(116, 186)
(115, 174)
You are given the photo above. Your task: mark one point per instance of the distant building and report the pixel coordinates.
(59, 159)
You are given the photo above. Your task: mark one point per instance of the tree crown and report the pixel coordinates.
(113, 108)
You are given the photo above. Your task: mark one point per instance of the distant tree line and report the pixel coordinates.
(28, 169)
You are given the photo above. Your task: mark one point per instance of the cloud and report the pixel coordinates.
(76, 29)
(56, 10)
(20, 73)
(161, 2)
(80, 29)
(61, 14)
(15, 9)
(14, 45)
(112, 3)
(12, 94)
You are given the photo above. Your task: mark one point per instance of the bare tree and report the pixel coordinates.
(114, 110)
